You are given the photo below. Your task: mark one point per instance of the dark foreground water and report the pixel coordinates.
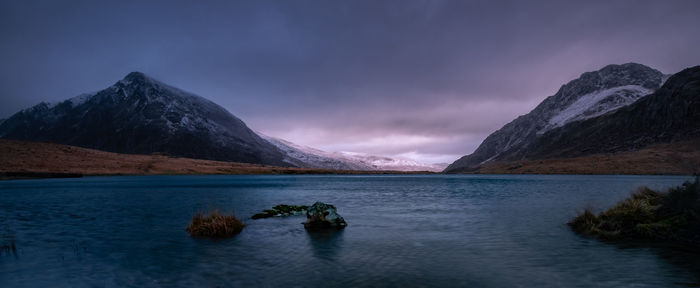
(477, 231)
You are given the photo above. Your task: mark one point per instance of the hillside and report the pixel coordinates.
(679, 158)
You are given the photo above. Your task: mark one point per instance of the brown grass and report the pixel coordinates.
(680, 158)
(35, 157)
(214, 225)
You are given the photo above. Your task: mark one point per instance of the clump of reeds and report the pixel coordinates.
(214, 225)
(647, 214)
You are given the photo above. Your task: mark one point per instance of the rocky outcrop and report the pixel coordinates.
(323, 216)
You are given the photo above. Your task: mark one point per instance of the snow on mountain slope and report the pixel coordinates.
(596, 104)
(399, 164)
(304, 156)
(80, 99)
(308, 157)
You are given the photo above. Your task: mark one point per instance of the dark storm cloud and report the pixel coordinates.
(427, 78)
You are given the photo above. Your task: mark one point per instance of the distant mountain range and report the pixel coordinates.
(307, 157)
(141, 115)
(616, 109)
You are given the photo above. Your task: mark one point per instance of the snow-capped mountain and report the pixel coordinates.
(140, 115)
(670, 114)
(303, 156)
(591, 95)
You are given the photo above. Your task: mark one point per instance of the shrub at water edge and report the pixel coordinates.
(648, 214)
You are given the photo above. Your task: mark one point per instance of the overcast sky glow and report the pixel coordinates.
(422, 79)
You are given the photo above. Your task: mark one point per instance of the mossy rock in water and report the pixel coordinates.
(323, 216)
(281, 210)
(648, 214)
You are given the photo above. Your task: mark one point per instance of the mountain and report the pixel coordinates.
(307, 157)
(671, 114)
(140, 115)
(586, 99)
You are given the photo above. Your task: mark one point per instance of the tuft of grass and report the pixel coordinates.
(214, 225)
(585, 223)
(647, 214)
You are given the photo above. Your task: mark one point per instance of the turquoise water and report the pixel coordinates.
(431, 231)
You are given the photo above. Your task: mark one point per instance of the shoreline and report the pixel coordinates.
(9, 176)
(30, 175)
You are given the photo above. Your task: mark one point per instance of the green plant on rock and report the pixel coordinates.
(281, 211)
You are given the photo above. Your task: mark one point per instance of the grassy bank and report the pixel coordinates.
(648, 215)
(677, 158)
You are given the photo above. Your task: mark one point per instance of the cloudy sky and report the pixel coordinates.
(423, 79)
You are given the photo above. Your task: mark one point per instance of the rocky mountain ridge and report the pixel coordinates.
(591, 95)
(668, 114)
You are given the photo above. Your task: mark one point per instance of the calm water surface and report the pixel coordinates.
(437, 230)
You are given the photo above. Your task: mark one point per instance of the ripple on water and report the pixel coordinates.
(431, 231)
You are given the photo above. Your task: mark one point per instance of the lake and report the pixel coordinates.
(406, 230)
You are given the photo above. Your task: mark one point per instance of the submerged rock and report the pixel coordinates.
(281, 210)
(323, 216)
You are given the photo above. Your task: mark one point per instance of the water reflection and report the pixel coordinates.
(8, 248)
(326, 244)
(685, 260)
